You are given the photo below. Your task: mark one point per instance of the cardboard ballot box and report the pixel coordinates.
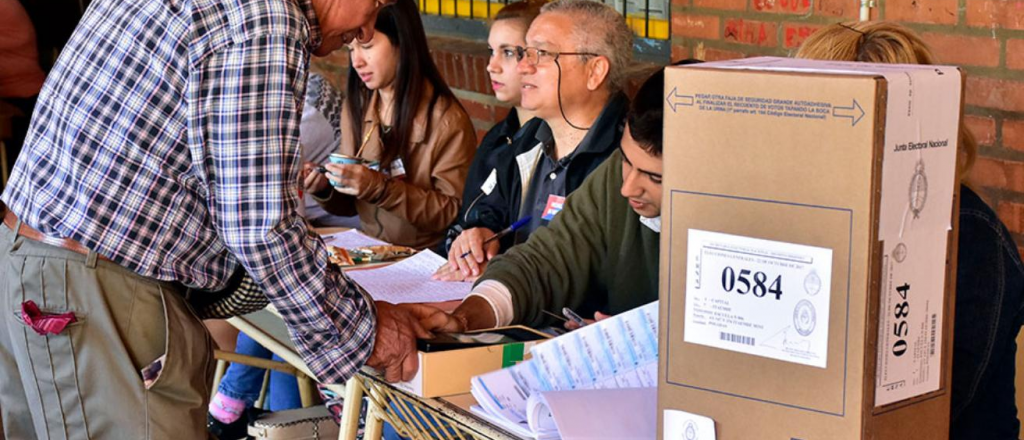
(448, 372)
(809, 260)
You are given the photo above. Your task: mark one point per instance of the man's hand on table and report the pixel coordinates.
(394, 352)
(473, 314)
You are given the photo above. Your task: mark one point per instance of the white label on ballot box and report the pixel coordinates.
(910, 316)
(760, 297)
(681, 425)
(918, 182)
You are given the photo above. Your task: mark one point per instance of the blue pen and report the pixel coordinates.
(518, 224)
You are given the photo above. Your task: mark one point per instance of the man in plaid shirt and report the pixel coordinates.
(164, 151)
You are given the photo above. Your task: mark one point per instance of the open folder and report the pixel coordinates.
(609, 367)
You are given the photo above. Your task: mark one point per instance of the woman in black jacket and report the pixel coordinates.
(507, 36)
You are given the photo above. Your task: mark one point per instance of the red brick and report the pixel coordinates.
(681, 2)
(478, 111)
(1012, 214)
(959, 49)
(732, 5)
(501, 112)
(720, 55)
(1015, 54)
(446, 67)
(483, 79)
(680, 53)
(477, 74)
(1006, 14)
(695, 26)
(753, 32)
(480, 134)
(995, 173)
(1013, 134)
(462, 78)
(782, 6)
(438, 60)
(999, 94)
(983, 128)
(922, 11)
(837, 8)
(469, 73)
(794, 34)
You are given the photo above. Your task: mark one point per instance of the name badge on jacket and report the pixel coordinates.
(553, 207)
(397, 169)
(490, 183)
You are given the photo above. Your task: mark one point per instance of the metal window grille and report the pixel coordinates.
(647, 18)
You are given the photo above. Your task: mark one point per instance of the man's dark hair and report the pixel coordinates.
(645, 116)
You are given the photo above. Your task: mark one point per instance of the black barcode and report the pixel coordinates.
(739, 339)
(931, 345)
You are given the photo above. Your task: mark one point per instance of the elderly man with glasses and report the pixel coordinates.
(573, 70)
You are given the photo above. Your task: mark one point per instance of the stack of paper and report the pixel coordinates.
(408, 281)
(617, 353)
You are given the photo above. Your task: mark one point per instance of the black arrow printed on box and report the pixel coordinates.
(854, 112)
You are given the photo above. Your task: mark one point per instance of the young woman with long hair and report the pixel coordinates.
(413, 140)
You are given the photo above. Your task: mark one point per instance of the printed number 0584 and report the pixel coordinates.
(741, 283)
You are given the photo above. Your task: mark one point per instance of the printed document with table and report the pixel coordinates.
(615, 360)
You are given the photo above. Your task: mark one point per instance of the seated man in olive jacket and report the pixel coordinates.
(600, 254)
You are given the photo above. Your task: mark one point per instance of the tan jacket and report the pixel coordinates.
(416, 209)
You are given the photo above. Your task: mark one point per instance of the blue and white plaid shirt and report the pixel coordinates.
(166, 138)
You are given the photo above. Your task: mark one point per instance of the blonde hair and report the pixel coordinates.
(882, 42)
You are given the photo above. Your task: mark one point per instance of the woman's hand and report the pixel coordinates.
(313, 181)
(471, 240)
(446, 273)
(355, 180)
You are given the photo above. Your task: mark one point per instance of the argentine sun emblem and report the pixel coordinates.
(918, 189)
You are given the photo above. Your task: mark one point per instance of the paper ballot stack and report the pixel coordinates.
(607, 367)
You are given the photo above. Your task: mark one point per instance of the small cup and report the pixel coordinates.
(342, 159)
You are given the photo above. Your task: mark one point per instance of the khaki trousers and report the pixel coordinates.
(86, 382)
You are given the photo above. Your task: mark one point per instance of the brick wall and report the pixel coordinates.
(986, 37)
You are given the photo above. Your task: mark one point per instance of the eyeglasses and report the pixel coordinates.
(534, 56)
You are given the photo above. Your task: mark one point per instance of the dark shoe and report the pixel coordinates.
(235, 430)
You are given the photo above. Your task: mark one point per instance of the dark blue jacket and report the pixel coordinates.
(989, 303)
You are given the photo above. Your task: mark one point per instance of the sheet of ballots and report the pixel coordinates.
(408, 281)
(617, 353)
(351, 238)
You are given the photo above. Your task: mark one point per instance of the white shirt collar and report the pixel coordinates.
(654, 223)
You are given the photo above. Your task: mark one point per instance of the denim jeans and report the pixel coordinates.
(989, 303)
(243, 382)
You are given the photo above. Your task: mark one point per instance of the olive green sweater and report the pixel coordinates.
(594, 256)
